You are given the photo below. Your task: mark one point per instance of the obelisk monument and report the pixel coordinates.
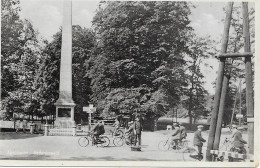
(65, 105)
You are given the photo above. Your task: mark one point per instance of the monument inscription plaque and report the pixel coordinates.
(64, 112)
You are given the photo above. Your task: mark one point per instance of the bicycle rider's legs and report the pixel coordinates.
(199, 150)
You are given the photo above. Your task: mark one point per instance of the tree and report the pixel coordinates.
(200, 49)
(48, 74)
(21, 51)
(140, 47)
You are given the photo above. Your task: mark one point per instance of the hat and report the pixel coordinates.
(240, 128)
(200, 126)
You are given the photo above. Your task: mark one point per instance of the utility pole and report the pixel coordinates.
(217, 96)
(221, 111)
(249, 81)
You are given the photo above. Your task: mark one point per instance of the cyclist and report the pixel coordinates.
(238, 142)
(176, 135)
(116, 126)
(182, 132)
(198, 140)
(98, 130)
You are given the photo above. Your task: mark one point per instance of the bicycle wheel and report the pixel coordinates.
(119, 133)
(105, 141)
(184, 144)
(118, 141)
(164, 145)
(83, 141)
(189, 154)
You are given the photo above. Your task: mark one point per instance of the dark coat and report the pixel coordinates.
(198, 140)
(183, 132)
(138, 127)
(176, 133)
(130, 130)
(238, 140)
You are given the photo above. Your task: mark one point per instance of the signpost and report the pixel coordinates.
(90, 109)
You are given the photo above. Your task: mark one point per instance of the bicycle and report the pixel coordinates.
(168, 145)
(191, 154)
(102, 140)
(116, 133)
(120, 141)
(226, 146)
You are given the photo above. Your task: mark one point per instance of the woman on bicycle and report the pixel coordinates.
(116, 126)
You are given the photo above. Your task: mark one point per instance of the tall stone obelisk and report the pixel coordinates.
(65, 105)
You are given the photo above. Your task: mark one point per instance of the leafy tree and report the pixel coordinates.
(140, 47)
(20, 53)
(200, 49)
(48, 75)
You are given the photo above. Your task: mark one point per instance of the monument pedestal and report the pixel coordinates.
(65, 115)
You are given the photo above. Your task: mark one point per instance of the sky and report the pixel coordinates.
(46, 17)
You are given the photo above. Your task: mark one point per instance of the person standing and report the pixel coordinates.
(137, 131)
(130, 133)
(198, 140)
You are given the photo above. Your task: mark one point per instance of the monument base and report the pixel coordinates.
(64, 122)
(64, 115)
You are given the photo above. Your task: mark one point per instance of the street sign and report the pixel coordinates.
(89, 109)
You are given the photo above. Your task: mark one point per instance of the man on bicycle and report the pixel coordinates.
(116, 126)
(98, 130)
(198, 140)
(182, 132)
(238, 141)
(176, 135)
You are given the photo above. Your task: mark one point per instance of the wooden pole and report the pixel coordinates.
(240, 103)
(235, 55)
(217, 96)
(249, 81)
(221, 111)
(231, 120)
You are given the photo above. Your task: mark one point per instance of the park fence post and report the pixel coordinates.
(219, 83)
(46, 129)
(31, 128)
(74, 130)
(249, 81)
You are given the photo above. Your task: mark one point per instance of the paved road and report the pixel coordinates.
(67, 148)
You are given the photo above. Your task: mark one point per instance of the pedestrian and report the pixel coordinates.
(137, 131)
(198, 140)
(130, 133)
